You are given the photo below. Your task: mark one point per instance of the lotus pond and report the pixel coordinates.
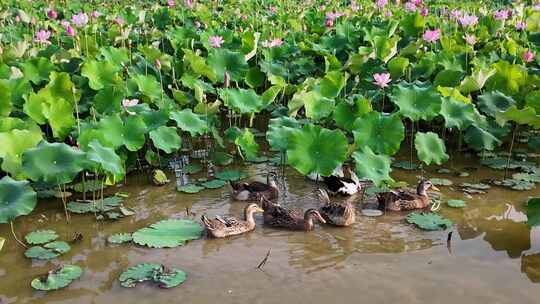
(122, 122)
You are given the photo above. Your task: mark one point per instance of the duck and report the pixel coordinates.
(222, 226)
(403, 200)
(337, 214)
(277, 216)
(343, 181)
(254, 191)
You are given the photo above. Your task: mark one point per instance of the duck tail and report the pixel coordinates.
(206, 222)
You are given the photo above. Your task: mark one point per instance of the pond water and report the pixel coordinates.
(493, 255)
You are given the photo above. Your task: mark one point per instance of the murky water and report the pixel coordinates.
(493, 258)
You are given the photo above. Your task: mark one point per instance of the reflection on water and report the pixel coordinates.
(492, 228)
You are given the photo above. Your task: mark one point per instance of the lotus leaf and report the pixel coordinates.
(191, 169)
(190, 122)
(458, 114)
(214, 184)
(479, 186)
(230, 175)
(47, 251)
(279, 131)
(430, 148)
(134, 131)
(417, 102)
(148, 86)
(167, 233)
(14, 143)
(370, 128)
(199, 65)
(519, 185)
(533, 211)
(166, 139)
(106, 159)
(441, 181)
(57, 278)
(108, 204)
(99, 73)
(454, 203)
(345, 114)
(39, 237)
(16, 198)
(494, 102)
(157, 273)
(476, 80)
(223, 60)
(37, 69)
(190, 188)
(405, 165)
(317, 106)
(525, 116)
(428, 221)
(528, 177)
(119, 238)
(508, 78)
(372, 166)
(246, 142)
(332, 84)
(316, 149)
(89, 186)
(221, 158)
(241, 100)
(480, 139)
(159, 178)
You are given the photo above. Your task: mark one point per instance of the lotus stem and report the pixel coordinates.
(63, 198)
(15, 235)
(510, 151)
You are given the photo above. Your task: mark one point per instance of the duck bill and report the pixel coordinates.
(320, 218)
(435, 188)
(259, 209)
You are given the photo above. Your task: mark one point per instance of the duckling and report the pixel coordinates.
(277, 216)
(227, 226)
(337, 214)
(401, 200)
(254, 191)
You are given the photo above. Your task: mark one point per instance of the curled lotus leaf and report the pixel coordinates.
(16, 198)
(525, 116)
(375, 167)
(14, 143)
(106, 160)
(430, 148)
(493, 102)
(168, 233)
(57, 278)
(458, 114)
(429, 221)
(480, 139)
(224, 60)
(39, 237)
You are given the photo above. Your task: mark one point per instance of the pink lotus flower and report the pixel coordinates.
(272, 43)
(354, 6)
(417, 2)
(381, 3)
(119, 20)
(170, 3)
(424, 11)
(388, 14)
(432, 36)
(381, 79)
(410, 6)
(189, 3)
(468, 20)
(158, 64)
(521, 25)
(528, 56)
(95, 14)
(215, 41)
(70, 31)
(501, 14)
(52, 14)
(43, 36)
(470, 39)
(322, 7)
(332, 15)
(329, 23)
(456, 14)
(126, 103)
(80, 20)
(17, 19)
(273, 9)
(197, 24)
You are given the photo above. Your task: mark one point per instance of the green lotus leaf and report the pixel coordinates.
(525, 116)
(148, 86)
(39, 237)
(397, 67)
(448, 78)
(224, 60)
(119, 238)
(370, 128)
(476, 80)
(417, 102)
(492, 103)
(221, 158)
(385, 47)
(109, 131)
(105, 205)
(16, 198)
(170, 278)
(53, 163)
(155, 119)
(190, 122)
(508, 78)
(441, 181)
(89, 186)
(430, 148)
(199, 65)
(317, 106)
(214, 184)
(372, 166)
(168, 233)
(279, 131)
(477, 186)
(109, 99)
(500, 163)
(413, 24)
(134, 131)
(191, 169)
(14, 143)
(528, 177)
(454, 203)
(316, 149)
(99, 73)
(405, 165)
(157, 273)
(255, 78)
(241, 100)
(5, 98)
(37, 69)
(458, 114)
(480, 139)
(454, 94)
(45, 107)
(533, 211)
(47, 251)
(247, 144)
(57, 278)
(117, 56)
(429, 221)
(230, 175)
(190, 188)
(533, 100)
(332, 84)
(166, 139)
(105, 159)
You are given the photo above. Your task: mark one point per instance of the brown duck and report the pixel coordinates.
(277, 216)
(254, 191)
(401, 200)
(337, 214)
(228, 226)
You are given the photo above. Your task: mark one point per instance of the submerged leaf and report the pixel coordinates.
(167, 233)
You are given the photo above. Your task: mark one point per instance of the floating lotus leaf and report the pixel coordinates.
(478, 186)
(430, 148)
(57, 278)
(500, 163)
(441, 181)
(214, 184)
(191, 169)
(417, 102)
(279, 131)
(190, 188)
(458, 114)
(454, 203)
(332, 84)
(16, 198)
(492, 103)
(246, 142)
(14, 143)
(108, 204)
(230, 175)
(190, 122)
(37, 69)
(533, 211)
(241, 100)
(166, 139)
(374, 167)
(168, 233)
(480, 139)
(345, 114)
(429, 221)
(370, 128)
(444, 171)
(99, 73)
(518, 185)
(157, 273)
(105, 159)
(528, 177)
(316, 149)
(53, 163)
(405, 165)
(39, 237)
(47, 251)
(224, 60)
(525, 116)
(89, 186)
(119, 238)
